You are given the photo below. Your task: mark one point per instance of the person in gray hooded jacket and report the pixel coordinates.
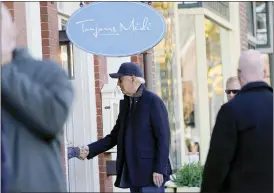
(36, 100)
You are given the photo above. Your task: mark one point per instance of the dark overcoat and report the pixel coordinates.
(143, 139)
(240, 157)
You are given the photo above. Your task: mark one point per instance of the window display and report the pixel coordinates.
(214, 64)
(164, 59)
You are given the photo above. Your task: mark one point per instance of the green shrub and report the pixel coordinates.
(189, 176)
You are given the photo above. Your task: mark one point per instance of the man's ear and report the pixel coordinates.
(265, 74)
(239, 75)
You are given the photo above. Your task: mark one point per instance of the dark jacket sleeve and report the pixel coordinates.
(106, 143)
(43, 108)
(221, 151)
(160, 124)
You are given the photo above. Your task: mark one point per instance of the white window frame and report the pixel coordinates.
(60, 17)
(60, 6)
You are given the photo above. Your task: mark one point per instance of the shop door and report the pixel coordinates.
(81, 127)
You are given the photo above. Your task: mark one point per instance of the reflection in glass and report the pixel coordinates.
(261, 22)
(214, 65)
(64, 57)
(67, 60)
(164, 59)
(187, 55)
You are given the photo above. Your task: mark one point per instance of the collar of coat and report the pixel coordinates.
(256, 85)
(139, 91)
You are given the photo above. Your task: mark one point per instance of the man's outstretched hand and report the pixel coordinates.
(158, 179)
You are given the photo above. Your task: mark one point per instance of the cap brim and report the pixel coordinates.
(115, 75)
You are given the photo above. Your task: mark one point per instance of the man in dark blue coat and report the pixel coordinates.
(240, 158)
(141, 133)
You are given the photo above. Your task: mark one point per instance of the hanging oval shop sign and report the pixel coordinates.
(116, 29)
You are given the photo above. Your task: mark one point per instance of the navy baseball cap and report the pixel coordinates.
(128, 69)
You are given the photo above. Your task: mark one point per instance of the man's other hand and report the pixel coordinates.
(84, 151)
(158, 179)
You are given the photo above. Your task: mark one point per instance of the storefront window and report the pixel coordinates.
(164, 59)
(187, 60)
(214, 65)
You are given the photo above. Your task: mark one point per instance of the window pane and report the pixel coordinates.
(261, 7)
(221, 8)
(187, 60)
(250, 18)
(261, 22)
(64, 57)
(164, 59)
(214, 64)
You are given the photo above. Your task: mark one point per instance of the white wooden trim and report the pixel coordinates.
(33, 25)
(93, 173)
(215, 17)
(179, 82)
(234, 38)
(203, 122)
(208, 13)
(191, 11)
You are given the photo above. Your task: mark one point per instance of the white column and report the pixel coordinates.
(33, 25)
(179, 88)
(235, 37)
(228, 69)
(202, 112)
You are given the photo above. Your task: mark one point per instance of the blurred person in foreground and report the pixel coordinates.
(240, 157)
(141, 133)
(232, 87)
(36, 99)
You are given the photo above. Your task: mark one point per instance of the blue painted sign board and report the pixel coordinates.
(116, 29)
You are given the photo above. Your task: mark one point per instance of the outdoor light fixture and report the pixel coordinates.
(66, 53)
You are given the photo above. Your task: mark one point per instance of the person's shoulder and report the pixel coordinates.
(23, 59)
(50, 64)
(51, 68)
(155, 99)
(153, 95)
(228, 107)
